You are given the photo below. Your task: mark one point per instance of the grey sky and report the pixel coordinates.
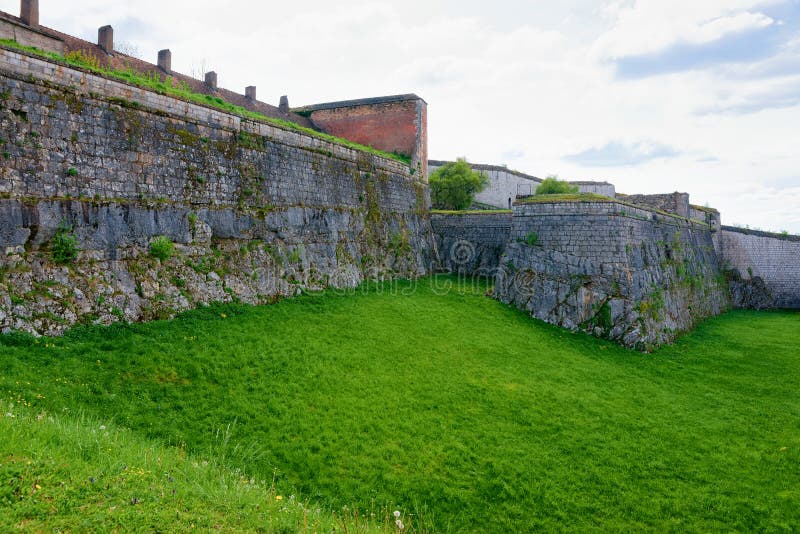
(654, 96)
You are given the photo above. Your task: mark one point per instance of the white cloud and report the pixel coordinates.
(650, 26)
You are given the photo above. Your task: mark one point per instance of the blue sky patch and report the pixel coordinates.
(619, 154)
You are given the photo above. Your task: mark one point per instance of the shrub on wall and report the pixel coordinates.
(553, 186)
(64, 247)
(161, 247)
(454, 185)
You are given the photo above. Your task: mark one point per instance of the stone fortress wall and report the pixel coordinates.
(258, 210)
(255, 211)
(774, 258)
(471, 243)
(638, 269)
(612, 269)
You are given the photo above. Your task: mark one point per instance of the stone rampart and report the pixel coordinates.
(677, 203)
(470, 243)
(774, 258)
(710, 216)
(611, 269)
(255, 211)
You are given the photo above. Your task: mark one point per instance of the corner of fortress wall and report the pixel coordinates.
(629, 274)
(255, 211)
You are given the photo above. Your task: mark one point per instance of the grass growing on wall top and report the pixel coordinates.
(565, 197)
(154, 83)
(470, 212)
(431, 398)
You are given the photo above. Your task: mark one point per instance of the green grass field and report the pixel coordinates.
(463, 413)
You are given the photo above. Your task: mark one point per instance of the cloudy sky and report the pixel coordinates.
(655, 96)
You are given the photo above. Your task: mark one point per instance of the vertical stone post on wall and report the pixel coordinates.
(29, 12)
(211, 80)
(165, 60)
(105, 38)
(250, 92)
(283, 106)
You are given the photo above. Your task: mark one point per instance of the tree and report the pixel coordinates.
(454, 185)
(553, 186)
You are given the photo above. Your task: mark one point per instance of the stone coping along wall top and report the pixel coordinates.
(593, 203)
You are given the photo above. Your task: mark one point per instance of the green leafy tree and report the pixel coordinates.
(454, 185)
(553, 186)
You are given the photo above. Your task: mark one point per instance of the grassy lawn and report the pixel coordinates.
(431, 399)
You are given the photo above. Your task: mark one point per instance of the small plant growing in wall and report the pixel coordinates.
(162, 248)
(72, 171)
(64, 247)
(531, 238)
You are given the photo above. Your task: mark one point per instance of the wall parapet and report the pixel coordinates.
(589, 204)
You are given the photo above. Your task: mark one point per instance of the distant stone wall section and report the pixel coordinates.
(676, 203)
(255, 211)
(470, 243)
(774, 258)
(628, 274)
(394, 124)
(505, 185)
(710, 216)
(598, 188)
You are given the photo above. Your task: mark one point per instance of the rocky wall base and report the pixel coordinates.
(219, 256)
(620, 275)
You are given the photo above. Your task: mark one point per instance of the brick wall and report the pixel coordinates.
(392, 124)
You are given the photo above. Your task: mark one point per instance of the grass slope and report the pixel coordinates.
(449, 405)
(66, 473)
